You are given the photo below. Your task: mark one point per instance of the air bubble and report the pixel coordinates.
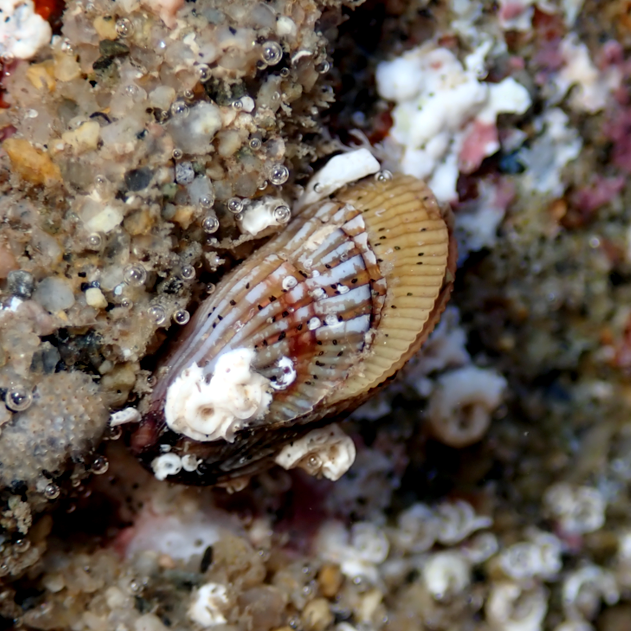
(157, 314)
(135, 275)
(181, 317)
(52, 491)
(210, 288)
(237, 105)
(124, 27)
(177, 153)
(18, 398)
(263, 185)
(314, 323)
(383, 176)
(282, 214)
(272, 53)
(7, 58)
(206, 201)
(125, 303)
(100, 465)
(189, 95)
(210, 224)
(235, 205)
(279, 174)
(255, 143)
(323, 67)
(114, 433)
(179, 108)
(203, 72)
(289, 282)
(187, 272)
(317, 187)
(95, 241)
(284, 72)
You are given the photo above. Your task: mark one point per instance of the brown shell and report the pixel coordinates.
(374, 266)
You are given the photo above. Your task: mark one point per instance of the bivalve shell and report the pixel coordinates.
(304, 330)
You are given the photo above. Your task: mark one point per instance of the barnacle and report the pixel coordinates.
(304, 330)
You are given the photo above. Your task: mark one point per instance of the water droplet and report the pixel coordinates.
(124, 27)
(255, 143)
(272, 53)
(100, 465)
(314, 323)
(52, 491)
(203, 72)
(289, 282)
(235, 205)
(181, 317)
(210, 224)
(383, 176)
(177, 154)
(179, 108)
(323, 67)
(187, 272)
(282, 214)
(18, 398)
(95, 241)
(135, 275)
(279, 174)
(157, 314)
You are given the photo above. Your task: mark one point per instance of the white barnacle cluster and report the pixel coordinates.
(538, 557)
(577, 509)
(234, 397)
(421, 526)
(358, 551)
(445, 115)
(463, 397)
(22, 31)
(326, 452)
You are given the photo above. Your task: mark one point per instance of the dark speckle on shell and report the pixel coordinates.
(371, 270)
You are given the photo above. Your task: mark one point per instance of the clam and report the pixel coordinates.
(300, 334)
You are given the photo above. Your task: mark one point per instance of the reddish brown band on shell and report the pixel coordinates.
(373, 269)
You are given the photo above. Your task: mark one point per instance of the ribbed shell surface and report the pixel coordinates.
(348, 292)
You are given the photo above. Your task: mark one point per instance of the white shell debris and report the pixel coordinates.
(165, 465)
(338, 171)
(286, 373)
(234, 397)
(22, 31)
(440, 106)
(126, 415)
(207, 603)
(326, 451)
(259, 215)
(592, 87)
